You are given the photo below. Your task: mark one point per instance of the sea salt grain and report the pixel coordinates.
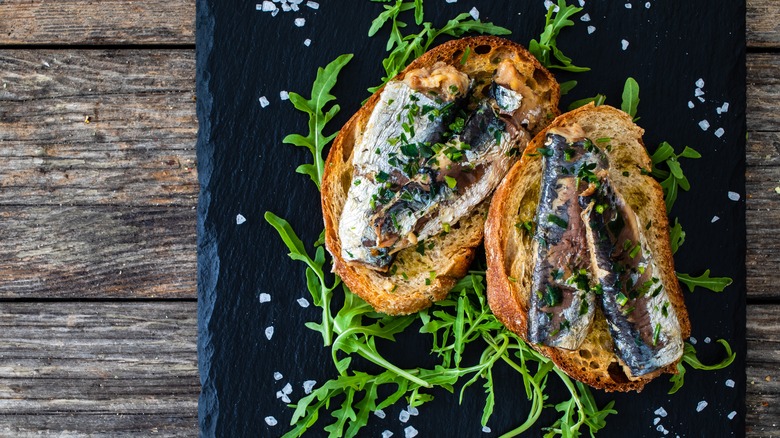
(582, 3)
(732, 414)
(307, 42)
(734, 196)
(700, 407)
(240, 219)
(300, 22)
(380, 413)
(700, 83)
(267, 6)
(387, 434)
(585, 17)
(690, 104)
(704, 125)
(303, 302)
(730, 383)
(269, 332)
(656, 420)
(701, 99)
(287, 389)
(271, 421)
(486, 429)
(628, 5)
(451, 1)
(403, 417)
(719, 132)
(286, 7)
(283, 397)
(474, 13)
(698, 92)
(647, 5)
(591, 29)
(693, 340)
(714, 219)
(278, 375)
(624, 44)
(413, 411)
(308, 385)
(661, 412)
(313, 5)
(263, 101)
(724, 108)
(264, 297)
(284, 95)
(410, 432)
(662, 429)
(707, 340)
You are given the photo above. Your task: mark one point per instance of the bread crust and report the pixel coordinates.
(452, 255)
(509, 255)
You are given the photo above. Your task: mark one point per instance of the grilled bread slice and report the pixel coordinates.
(413, 277)
(513, 252)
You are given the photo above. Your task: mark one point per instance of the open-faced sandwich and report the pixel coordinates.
(579, 259)
(408, 180)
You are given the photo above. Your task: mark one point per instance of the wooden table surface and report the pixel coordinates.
(98, 188)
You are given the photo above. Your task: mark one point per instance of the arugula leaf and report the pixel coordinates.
(689, 357)
(630, 97)
(567, 86)
(597, 100)
(715, 284)
(316, 141)
(673, 179)
(547, 44)
(676, 235)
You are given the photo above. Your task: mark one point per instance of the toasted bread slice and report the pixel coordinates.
(511, 258)
(419, 279)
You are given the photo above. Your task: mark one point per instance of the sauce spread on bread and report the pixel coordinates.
(433, 149)
(591, 252)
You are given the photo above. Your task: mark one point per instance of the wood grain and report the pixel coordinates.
(26, 22)
(104, 22)
(97, 252)
(129, 369)
(113, 127)
(98, 369)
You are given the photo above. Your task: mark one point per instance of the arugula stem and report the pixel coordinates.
(580, 409)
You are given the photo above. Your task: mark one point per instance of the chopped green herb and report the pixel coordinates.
(451, 182)
(621, 299)
(656, 333)
(465, 56)
(553, 296)
(557, 221)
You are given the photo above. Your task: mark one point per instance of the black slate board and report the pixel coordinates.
(243, 54)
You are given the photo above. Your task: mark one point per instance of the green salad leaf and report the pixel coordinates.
(630, 97)
(715, 284)
(689, 357)
(546, 47)
(673, 179)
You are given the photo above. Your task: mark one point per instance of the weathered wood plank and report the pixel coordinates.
(173, 22)
(98, 369)
(98, 127)
(129, 368)
(763, 91)
(97, 252)
(763, 364)
(106, 22)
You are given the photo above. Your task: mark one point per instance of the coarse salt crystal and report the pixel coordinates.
(725, 107)
(700, 407)
(240, 219)
(286, 7)
(585, 17)
(313, 5)
(714, 219)
(283, 396)
(698, 92)
(412, 410)
(661, 428)
(474, 12)
(307, 42)
(268, 6)
(700, 83)
(719, 132)
(380, 413)
(734, 196)
(591, 29)
(582, 2)
(264, 297)
(410, 432)
(300, 22)
(275, 12)
(308, 385)
(704, 125)
(387, 434)
(284, 95)
(732, 414)
(303, 302)
(701, 99)
(278, 375)
(403, 417)
(693, 340)
(295, 8)
(707, 340)
(624, 44)
(269, 332)
(656, 420)
(690, 104)
(661, 412)
(271, 421)
(549, 4)
(628, 5)
(647, 5)
(451, 1)
(730, 383)
(486, 429)
(287, 389)
(263, 101)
